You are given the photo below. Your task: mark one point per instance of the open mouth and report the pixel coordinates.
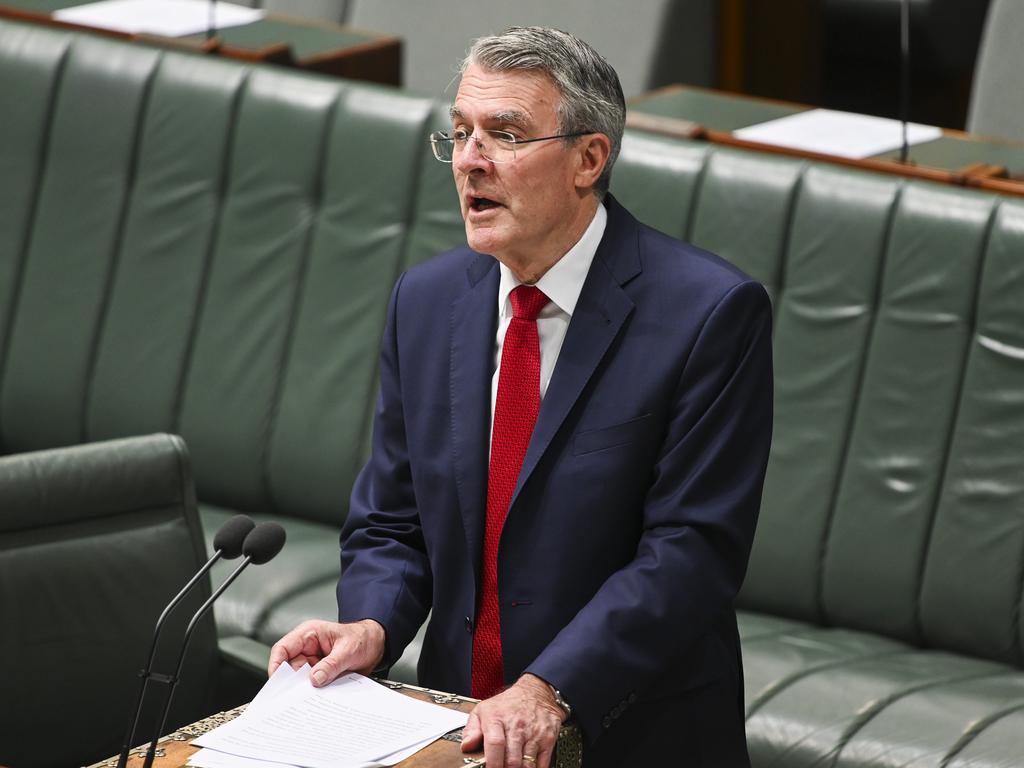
(482, 204)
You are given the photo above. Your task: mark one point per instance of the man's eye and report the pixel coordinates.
(460, 134)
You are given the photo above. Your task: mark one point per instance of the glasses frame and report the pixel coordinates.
(437, 138)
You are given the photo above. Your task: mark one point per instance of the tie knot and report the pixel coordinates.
(527, 301)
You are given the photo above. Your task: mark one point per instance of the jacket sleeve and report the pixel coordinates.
(385, 574)
(698, 522)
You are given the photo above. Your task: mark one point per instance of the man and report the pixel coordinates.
(569, 445)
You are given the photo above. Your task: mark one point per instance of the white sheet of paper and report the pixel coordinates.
(351, 723)
(211, 758)
(171, 18)
(831, 132)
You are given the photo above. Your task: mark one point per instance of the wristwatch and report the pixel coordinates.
(560, 701)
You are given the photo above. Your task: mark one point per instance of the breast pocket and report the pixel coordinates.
(614, 436)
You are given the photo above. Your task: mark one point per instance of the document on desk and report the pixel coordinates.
(351, 723)
(171, 18)
(843, 134)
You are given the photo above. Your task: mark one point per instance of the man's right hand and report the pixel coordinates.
(330, 648)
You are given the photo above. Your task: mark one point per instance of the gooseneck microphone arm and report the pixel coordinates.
(227, 544)
(261, 546)
(173, 680)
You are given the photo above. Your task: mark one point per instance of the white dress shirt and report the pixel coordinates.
(562, 284)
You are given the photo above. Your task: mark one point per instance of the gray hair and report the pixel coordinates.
(592, 98)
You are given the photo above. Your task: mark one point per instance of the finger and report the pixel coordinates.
(514, 752)
(545, 755)
(531, 754)
(280, 652)
(333, 665)
(471, 733)
(275, 662)
(494, 744)
(291, 645)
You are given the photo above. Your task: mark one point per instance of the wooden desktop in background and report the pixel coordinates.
(319, 46)
(175, 749)
(956, 157)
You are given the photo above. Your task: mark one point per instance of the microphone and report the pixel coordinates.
(260, 546)
(227, 544)
(905, 76)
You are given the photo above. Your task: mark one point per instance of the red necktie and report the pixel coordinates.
(515, 413)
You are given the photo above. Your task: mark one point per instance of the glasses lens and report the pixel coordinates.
(442, 145)
(498, 146)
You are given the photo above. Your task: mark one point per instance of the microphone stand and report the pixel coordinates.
(173, 679)
(905, 76)
(147, 673)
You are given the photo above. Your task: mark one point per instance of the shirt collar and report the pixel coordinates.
(564, 281)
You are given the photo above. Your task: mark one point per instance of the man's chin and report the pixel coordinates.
(483, 239)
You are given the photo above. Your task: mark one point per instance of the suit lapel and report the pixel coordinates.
(602, 308)
(473, 321)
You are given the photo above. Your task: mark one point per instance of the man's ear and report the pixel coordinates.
(593, 151)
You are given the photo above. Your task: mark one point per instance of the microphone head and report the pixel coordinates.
(230, 537)
(263, 544)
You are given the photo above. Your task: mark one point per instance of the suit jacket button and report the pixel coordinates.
(606, 722)
(469, 625)
(632, 698)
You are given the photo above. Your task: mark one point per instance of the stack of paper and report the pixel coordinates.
(351, 723)
(171, 18)
(844, 134)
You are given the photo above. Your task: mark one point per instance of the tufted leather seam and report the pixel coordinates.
(178, 404)
(698, 186)
(115, 252)
(851, 418)
(871, 712)
(940, 483)
(411, 201)
(774, 691)
(305, 257)
(26, 237)
(787, 231)
(975, 730)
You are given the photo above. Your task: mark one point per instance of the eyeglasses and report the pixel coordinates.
(495, 146)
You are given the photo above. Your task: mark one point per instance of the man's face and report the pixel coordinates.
(520, 211)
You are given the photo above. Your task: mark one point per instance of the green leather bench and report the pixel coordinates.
(202, 248)
(881, 611)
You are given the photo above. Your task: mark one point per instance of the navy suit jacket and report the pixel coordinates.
(631, 524)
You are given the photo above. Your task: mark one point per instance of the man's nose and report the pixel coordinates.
(470, 158)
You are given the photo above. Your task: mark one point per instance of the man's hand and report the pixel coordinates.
(331, 649)
(518, 728)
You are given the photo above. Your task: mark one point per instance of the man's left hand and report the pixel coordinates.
(517, 728)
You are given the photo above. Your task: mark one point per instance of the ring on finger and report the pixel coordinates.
(529, 758)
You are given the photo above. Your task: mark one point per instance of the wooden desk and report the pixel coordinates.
(954, 158)
(174, 750)
(304, 44)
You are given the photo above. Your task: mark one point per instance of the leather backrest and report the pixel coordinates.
(839, 225)
(892, 502)
(209, 252)
(94, 541)
(973, 576)
(906, 410)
